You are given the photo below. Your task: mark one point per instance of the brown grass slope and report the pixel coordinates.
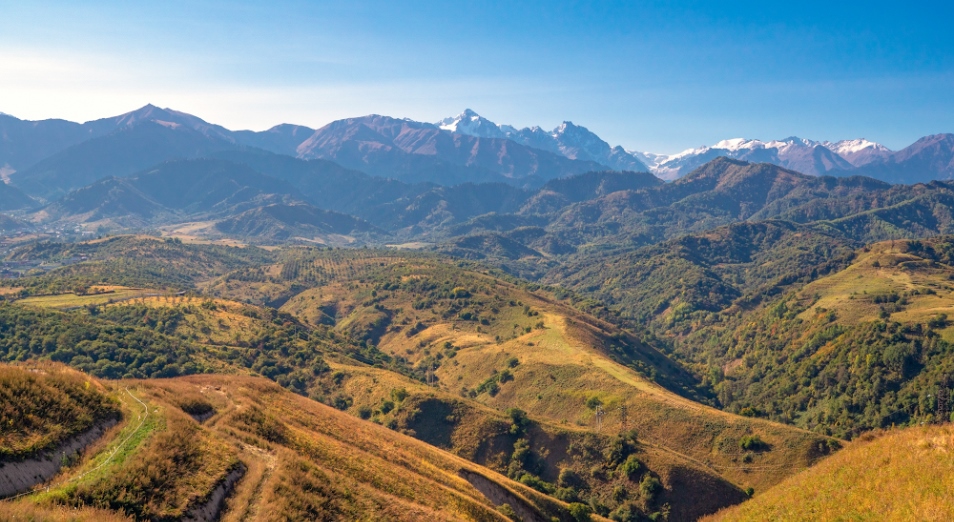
(43, 406)
(157, 464)
(901, 475)
(299, 460)
(576, 461)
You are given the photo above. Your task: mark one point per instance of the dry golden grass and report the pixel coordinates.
(106, 295)
(155, 465)
(902, 475)
(304, 460)
(42, 404)
(28, 512)
(479, 434)
(309, 461)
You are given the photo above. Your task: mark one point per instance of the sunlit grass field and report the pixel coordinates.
(901, 475)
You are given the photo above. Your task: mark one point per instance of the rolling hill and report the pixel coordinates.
(280, 222)
(505, 375)
(410, 308)
(862, 348)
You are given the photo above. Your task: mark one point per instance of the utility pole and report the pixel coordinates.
(623, 419)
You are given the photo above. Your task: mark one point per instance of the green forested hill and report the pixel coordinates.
(794, 322)
(865, 347)
(728, 269)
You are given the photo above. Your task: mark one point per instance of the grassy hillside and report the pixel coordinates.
(899, 475)
(316, 361)
(46, 405)
(678, 284)
(154, 465)
(296, 459)
(349, 374)
(503, 373)
(504, 346)
(27, 511)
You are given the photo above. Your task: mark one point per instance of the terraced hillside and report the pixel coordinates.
(245, 449)
(898, 475)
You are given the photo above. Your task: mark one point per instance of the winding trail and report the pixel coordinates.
(142, 419)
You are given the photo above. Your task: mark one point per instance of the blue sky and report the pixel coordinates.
(656, 76)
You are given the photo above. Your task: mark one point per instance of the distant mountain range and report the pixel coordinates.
(927, 159)
(931, 157)
(414, 151)
(46, 159)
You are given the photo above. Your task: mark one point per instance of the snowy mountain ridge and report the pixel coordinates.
(577, 142)
(567, 139)
(803, 155)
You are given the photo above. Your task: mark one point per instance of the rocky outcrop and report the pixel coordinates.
(19, 476)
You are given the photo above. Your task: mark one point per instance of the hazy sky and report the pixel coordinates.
(657, 76)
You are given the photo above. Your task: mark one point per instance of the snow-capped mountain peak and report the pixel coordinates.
(472, 124)
(859, 151)
(854, 146)
(793, 152)
(735, 144)
(567, 139)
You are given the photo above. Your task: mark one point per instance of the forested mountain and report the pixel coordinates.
(606, 210)
(178, 190)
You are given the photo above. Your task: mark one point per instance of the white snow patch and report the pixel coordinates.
(854, 146)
